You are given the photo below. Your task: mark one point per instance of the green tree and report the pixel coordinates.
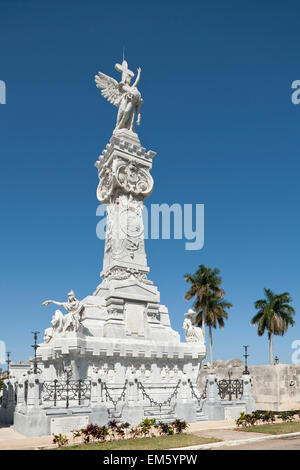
(204, 283)
(275, 315)
(215, 314)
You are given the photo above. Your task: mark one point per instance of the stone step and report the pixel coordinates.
(200, 416)
(159, 413)
(154, 408)
(163, 419)
(166, 416)
(113, 414)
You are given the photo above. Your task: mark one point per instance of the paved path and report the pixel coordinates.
(205, 425)
(287, 443)
(224, 430)
(12, 440)
(229, 434)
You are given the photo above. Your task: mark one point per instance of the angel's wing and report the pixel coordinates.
(109, 88)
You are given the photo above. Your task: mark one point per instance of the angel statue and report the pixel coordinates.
(124, 95)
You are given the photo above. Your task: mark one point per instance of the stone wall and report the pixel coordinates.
(275, 387)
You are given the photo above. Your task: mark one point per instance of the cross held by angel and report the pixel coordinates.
(124, 95)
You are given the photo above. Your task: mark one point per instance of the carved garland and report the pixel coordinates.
(120, 273)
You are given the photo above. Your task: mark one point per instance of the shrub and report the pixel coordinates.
(246, 420)
(179, 426)
(60, 439)
(120, 431)
(77, 434)
(165, 428)
(287, 416)
(258, 415)
(89, 432)
(240, 421)
(102, 433)
(252, 419)
(146, 425)
(135, 432)
(268, 417)
(113, 425)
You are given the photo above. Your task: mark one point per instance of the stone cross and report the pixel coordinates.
(124, 70)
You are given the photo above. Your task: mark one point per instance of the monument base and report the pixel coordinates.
(84, 380)
(40, 422)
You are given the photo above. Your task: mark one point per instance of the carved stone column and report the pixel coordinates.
(125, 181)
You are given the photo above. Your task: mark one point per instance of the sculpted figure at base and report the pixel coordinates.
(65, 323)
(124, 95)
(192, 333)
(48, 335)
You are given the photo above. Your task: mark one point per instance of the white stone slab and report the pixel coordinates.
(134, 318)
(233, 412)
(68, 424)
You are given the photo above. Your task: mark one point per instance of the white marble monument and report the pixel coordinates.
(115, 349)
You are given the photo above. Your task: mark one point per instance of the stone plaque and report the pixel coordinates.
(233, 412)
(134, 318)
(68, 424)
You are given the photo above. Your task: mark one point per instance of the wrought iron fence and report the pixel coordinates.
(64, 392)
(230, 389)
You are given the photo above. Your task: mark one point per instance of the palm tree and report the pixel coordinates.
(274, 315)
(204, 283)
(215, 313)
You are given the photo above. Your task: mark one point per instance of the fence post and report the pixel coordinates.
(247, 393)
(5, 394)
(183, 394)
(8, 401)
(11, 393)
(212, 393)
(33, 397)
(96, 389)
(131, 390)
(21, 392)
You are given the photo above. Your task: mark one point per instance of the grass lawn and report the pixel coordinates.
(275, 428)
(146, 443)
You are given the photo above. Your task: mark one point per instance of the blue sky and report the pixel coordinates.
(216, 83)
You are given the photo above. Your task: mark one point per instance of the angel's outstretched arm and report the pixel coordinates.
(47, 302)
(137, 77)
